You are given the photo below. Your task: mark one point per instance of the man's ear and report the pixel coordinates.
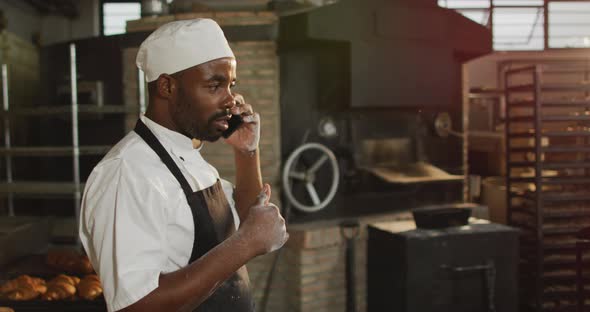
(166, 86)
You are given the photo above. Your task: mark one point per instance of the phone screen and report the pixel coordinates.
(234, 122)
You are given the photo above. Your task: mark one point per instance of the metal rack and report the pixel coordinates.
(49, 189)
(547, 178)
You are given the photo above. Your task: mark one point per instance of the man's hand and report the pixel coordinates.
(264, 228)
(247, 137)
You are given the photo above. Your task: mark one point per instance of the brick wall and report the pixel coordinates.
(310, 272)
(130, 86)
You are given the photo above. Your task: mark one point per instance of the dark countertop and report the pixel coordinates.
(351, 208)
(375, 201)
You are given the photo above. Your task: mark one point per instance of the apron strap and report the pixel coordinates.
(205, 232)
(153, 142)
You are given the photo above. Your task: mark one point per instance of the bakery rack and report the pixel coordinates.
(547, 177)
(11, 187)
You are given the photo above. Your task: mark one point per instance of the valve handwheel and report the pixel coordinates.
(308, 176)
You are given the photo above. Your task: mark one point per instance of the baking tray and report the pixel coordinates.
(34, 265)
(97, 305)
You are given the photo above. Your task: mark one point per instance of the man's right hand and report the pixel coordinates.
(264, 228)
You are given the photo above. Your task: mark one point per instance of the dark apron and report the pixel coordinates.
(214, 223)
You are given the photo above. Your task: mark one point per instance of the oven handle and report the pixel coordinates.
(489, 270)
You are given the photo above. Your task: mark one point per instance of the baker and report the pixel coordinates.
(162, 229)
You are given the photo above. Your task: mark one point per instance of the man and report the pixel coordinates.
(158, 224)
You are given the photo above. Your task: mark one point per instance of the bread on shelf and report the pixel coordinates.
(89, 287)
(23, 293)
(61, 287)
(24, 287)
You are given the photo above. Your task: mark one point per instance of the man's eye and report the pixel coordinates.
(214, 87)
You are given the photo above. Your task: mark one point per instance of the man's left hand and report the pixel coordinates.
(246, 138)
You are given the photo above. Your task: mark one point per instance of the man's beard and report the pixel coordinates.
(212, 134)
(190, 127)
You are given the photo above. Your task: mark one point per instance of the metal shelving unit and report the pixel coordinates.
(10, 187)
(547, 179)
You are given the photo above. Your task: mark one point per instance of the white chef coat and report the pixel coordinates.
(135, 221)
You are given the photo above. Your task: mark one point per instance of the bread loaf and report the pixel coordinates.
(23, 293)
(22, 288)
(90, 287)
(23, 280)
(61, 287)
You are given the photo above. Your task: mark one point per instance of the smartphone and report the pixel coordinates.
(234, 123)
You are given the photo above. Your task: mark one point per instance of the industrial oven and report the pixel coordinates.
(370, 80)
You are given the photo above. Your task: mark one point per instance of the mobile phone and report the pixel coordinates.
(234, 123)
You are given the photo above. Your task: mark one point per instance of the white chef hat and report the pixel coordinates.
(180, 45)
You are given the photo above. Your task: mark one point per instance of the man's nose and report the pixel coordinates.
(231, 103)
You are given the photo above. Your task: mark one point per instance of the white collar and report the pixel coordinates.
(176, 142)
